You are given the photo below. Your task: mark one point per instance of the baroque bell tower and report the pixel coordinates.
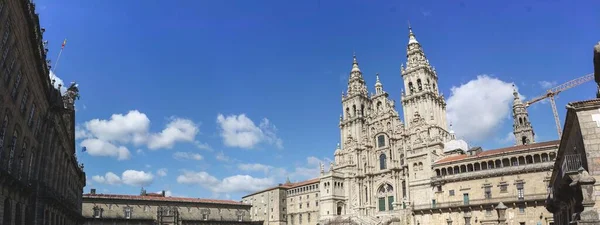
(521, 126)
(421, 97)
(355, 104)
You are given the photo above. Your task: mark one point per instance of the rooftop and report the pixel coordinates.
(159, 197)
(498, 151)
(287, 186)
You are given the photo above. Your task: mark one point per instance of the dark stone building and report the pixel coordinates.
(151, 209)
(573, 197)
(41, 181)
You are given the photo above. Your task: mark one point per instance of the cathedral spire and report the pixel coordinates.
(522, 128)
(378, 85)
(356, 83)
(411, 36)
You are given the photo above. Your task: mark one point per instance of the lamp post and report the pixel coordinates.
(501, 208)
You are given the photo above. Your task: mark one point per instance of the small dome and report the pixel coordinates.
(455, 144)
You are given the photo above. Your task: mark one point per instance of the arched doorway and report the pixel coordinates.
(339, 209)
(385, 197)
(7, 212)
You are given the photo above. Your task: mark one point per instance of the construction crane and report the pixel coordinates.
(552, 92)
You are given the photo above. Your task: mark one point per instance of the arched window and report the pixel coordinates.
(347, 112)
(365, 168)
(410, 87)
(353, 110)
(18, 214)
(382, 164)
(524, 140)
(379, 106)
(419, 85)
(362, 110)
(380, 141)
(520, 121)
(11, 153)
(385, 194)
(401, 159)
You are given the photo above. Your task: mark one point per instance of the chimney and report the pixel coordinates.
(93, 191)
(163, 193)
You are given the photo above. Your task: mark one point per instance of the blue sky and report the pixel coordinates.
(219, 98)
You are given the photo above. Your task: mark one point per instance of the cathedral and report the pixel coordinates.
(389, 171)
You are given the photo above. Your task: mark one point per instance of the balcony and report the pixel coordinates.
(478, 202)
(571, 164)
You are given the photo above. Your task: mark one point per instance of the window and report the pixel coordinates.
(11, 154)
(24, 101)
(316, 203)
(308, 217)
(13, 93)
(307, 204)
(20, 164)
(451, 192)
(381, 141)
(240, 218)
(466, 198)
(391, 202)
(504, 188)
(404, 189)
(521, 209)
(97, 212)
(488, 192)
(204, 216)
(439, 188)
(8, 70)
(300, 205)
(31, 114)
(432, 203)
(300, 218)
(3, 131)
(30, 168)
(127, 212)
(382, 159)
(381, 204)
(520, 191)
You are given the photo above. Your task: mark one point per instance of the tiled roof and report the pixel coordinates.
(584, 103)
(498, 151)
(287, 186)
(160, 198)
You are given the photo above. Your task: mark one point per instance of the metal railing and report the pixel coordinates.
(474, 202)
(571, 163)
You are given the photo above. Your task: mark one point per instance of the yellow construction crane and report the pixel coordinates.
(552, 92)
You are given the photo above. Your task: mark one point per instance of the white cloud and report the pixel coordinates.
(109, 178)
(97, 147)
(133, 128)
(178, 130)
(137, 178)
(240, 131)
(255, 167)
(222, 157)
(129, 177)
(311, 169)
(232, 184)
(57, 82)
(187, 155)
(486, 97)
(162, 172)
(547, 84)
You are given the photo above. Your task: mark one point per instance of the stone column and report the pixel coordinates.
(501, 208)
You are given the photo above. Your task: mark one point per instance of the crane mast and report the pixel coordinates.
(553, 92)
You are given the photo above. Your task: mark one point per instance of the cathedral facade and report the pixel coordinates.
(389, 171)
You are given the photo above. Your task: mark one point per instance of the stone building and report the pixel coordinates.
(41, 181)
(151, 209)
(573, 198)
(389, 171)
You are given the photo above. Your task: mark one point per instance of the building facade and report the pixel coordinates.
(152, 209)
(573, 198)
(389, 171)
(41, 181)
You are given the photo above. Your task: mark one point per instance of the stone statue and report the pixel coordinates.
(322, 166)
(71, 94)
(330, 166)
(597, 67)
